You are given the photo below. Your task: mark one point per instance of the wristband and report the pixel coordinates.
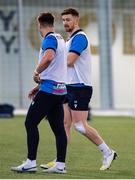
(35, 72)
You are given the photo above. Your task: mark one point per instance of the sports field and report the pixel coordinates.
(83, 158)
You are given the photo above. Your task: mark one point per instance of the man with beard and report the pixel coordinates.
(79, 87)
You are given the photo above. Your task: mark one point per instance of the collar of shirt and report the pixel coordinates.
(48, 34)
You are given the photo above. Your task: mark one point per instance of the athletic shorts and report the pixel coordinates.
(78, 98)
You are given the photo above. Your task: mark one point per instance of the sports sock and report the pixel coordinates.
(60, 165)
(105, 149)
(31, 162)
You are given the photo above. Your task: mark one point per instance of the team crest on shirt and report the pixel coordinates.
(60, 86)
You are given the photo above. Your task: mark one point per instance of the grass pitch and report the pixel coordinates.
(83, 158)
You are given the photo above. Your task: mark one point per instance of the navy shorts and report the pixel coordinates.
(78, 98)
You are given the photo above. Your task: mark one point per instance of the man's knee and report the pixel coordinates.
(27, 124)
(80, 127)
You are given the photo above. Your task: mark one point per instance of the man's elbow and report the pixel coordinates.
(70, 64)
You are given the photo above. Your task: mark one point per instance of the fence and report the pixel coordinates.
(110, 26)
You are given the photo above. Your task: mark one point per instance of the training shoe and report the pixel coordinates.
(108, 161)
(55, 169)
(25, 167)
(48, 165)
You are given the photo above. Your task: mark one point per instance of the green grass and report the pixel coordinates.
(83, 158)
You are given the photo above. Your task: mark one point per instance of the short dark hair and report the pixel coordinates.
(46, 19)
(71, 11)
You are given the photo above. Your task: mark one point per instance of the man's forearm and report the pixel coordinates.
(42, 66)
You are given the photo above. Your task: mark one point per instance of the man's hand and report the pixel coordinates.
(33, 92)
(36, 77)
